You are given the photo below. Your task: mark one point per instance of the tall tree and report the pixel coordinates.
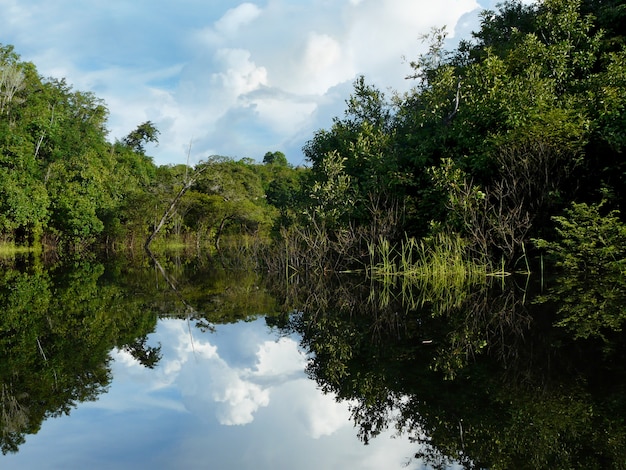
(275, 158)
(145, 133)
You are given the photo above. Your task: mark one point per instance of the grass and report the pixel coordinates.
(440, 259)
(437, 270)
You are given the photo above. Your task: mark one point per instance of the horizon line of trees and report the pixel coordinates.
(495, 141)
(62, 183)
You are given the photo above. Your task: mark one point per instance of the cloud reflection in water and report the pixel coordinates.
(236, 398)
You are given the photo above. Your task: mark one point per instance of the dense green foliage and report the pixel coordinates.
(495, 138)
(62, 181)
(514, 139)
(589, 251)
(491, 376)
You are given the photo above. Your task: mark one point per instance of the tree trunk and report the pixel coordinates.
(168, 212)
(218, 235)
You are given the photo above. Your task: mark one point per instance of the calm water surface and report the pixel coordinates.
(236, 398)
(208, 384)
(172, 362)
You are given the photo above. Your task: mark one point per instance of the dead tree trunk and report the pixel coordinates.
(172, 206)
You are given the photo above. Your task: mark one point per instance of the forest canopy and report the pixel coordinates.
(63, 183)
(494, 140)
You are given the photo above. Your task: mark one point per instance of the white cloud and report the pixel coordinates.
(237, 17)
(227, 27)
(283, 116)
(169, 417)
(190, 65)
(279, 358)
(212, 387)
(206, 382)
(323, 65)
(238, 75)
(325, 416)
(370, 42)
(238, 399)
(126, 359)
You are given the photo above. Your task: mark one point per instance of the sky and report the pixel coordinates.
(236, 398)
(225, 77)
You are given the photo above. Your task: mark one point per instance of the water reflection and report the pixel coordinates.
(181, 363)
(491, 380)
(60, 323)
(237, 398)
(56, 331)
(107, 367)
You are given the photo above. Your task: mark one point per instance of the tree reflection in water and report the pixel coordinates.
(496, 378)
(60, 323)
(486, 376)
(56, 332)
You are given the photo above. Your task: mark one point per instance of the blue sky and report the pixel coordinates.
(231, 78)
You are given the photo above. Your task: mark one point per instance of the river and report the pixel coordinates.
(174, 362)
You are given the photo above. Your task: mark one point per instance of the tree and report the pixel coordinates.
(236, 198)
(358, 151)
(145, 133)
(285, 193)
(275, 158)
(170, 208)
(24, 205)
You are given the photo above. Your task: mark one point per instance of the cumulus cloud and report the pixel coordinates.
(215, 388)
(238, 75)
(209, 385)
(280, 358)
(239, 377)
(191, 65)
(323, 65)
(324, 415)
(238, 399)
(228, 26)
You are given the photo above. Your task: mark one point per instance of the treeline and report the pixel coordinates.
(495, 139)
(64, 184)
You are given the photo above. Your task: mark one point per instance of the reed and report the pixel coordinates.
(439, 269)
(439, 258)
(386, 255)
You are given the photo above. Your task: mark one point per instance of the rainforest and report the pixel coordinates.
(519, 126)
(452, 258)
